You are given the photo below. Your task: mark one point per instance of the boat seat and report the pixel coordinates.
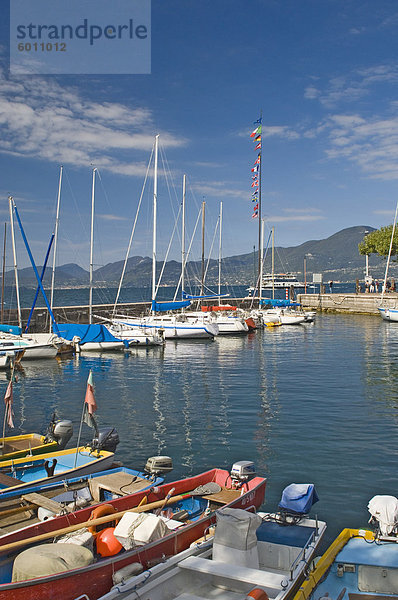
(7, 481)
(254, 577)
(117, 483)
(47, 503)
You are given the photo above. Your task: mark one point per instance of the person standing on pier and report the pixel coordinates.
(330, 286)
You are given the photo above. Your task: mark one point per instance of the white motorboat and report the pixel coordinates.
(258, 556)
(227, 320)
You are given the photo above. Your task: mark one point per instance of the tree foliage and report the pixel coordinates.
(378, 242)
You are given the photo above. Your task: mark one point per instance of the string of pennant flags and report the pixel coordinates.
(256, 135)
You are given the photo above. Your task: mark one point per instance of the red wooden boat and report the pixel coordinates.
(95, 579)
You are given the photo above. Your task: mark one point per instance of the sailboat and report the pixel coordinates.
(388, 312)
(171, 325)
(228, 320)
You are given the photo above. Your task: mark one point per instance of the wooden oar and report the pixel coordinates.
(94, 522)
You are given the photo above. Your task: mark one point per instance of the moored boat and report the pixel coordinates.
(93, 575)
(40, 502)
(359, 564)
(21, 473)
(261, 555)
(29, 444)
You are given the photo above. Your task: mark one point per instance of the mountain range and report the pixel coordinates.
(336, 257)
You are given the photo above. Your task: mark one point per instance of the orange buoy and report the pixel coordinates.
(257, 594)
(107, 544)
(100, 511)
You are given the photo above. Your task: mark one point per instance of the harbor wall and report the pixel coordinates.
(347, 303)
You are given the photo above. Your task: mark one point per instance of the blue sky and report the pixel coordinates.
(324, 73)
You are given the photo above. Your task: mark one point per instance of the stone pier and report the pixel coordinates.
(348, 303)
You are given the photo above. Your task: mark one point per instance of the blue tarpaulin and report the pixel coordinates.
(270, 302)
(298, 498)
(165, 306)
(14, 329)
(86, 333)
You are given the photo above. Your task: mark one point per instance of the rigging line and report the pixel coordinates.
(167, 253)
(211, 250)
(132, 233)
(169, 180)
(189, 250)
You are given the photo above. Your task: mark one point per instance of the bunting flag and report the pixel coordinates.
(256, 131)
(256, 135)
(8, 402)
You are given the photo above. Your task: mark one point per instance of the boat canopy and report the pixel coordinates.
(165, 306)
(270, 302)
(298, 498)
(87, 333)
(14, 329)
(205, 297)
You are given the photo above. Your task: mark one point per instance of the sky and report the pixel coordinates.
(323, 74)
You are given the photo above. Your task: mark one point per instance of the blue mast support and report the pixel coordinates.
(55, 326)
(41, 279)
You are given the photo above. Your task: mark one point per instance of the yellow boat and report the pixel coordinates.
(32, 444)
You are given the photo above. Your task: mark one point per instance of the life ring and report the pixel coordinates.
(257, 594)
(101, 511)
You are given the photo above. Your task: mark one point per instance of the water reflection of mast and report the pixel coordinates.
(159, 433)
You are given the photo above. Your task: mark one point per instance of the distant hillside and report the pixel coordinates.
(337, 257)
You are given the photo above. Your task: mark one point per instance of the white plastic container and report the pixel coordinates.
(136, 529)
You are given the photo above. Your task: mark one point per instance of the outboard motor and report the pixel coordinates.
(107, 439)
(296, 502)
(242, 471)
(60, 432)
(158, 465)
(384, 514)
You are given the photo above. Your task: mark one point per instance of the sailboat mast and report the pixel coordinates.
(14, 253)
(273, 263)
(219, 254)
(90, 303)
(3, 273)
(203, 250)
(55, 241)
(260, 285)
(183, 236)
(155, 199)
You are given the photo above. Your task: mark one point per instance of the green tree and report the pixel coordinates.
(378, 242)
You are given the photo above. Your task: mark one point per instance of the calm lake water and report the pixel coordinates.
(314, 403)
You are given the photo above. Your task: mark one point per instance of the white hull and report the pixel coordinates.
(389, 314)
(101, 347)
(32, 350)
(195, 574)
(231, 325)
(136, 336)
(173, 329)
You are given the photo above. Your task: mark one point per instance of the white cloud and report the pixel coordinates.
(371, 144)
(111, 217)
(220, 189)
(41, 119)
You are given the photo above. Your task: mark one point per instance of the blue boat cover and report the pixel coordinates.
(14, 329)
(86, 333)
(165, 306)
(298, 498)
(270, 302)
